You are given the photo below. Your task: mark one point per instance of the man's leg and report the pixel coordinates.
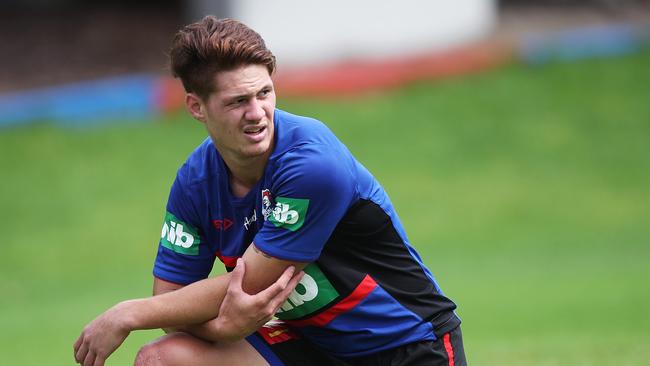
(184, 349)
(274, 344)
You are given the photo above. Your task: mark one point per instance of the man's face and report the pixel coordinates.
(239, 114)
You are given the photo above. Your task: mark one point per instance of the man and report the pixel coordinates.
(273, 194)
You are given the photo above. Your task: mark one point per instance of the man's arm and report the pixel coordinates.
(238, 312)
(244, 292)
(203, 330)
(196, 304)
(239, 299)
(160, 287)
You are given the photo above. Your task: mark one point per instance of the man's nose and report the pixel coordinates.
(254, 111)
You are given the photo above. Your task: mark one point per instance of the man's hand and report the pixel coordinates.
(100, 338)
(241, 314)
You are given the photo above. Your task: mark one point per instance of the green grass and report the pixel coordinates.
(526, 190)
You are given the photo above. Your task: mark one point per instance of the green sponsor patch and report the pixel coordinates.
(313, 292)
(289, 213)
(179, 236)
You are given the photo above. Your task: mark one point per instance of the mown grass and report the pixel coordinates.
(526, 190)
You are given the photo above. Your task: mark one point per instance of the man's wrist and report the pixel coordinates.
(211, 331)
(127, 318)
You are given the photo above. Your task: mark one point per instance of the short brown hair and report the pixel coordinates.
(202, 49)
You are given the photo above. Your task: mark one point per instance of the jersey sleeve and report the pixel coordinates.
(312, 189)
(183, 254)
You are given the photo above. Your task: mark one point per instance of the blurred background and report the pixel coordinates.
(513, 137)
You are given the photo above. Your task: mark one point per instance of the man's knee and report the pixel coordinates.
(147, 355)
(168, 350)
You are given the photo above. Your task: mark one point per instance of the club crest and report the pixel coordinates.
(267, 204)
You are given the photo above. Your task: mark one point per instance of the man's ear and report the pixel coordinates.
(195, 106)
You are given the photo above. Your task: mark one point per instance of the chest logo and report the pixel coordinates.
(267, 204)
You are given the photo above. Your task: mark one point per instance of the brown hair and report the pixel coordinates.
(202, 49)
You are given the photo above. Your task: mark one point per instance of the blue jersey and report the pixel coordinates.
(365, 289)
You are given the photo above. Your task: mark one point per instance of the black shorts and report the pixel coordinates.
(282, 347)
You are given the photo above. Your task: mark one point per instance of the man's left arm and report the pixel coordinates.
(249, 297)
(233, 322)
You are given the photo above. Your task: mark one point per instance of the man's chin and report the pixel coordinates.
(257, 151)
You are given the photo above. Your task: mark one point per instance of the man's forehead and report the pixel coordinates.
(242, 80)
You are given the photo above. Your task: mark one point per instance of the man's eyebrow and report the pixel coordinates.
(239, 95)
(248, 94)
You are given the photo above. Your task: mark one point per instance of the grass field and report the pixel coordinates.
(527, 192)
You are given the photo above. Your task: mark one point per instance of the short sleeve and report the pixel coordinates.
(183, 254)
(312, 189)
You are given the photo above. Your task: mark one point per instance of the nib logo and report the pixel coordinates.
(313, 292)
(179, 236)
(283, 214)
(289, 213)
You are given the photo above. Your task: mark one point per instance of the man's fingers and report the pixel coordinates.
(294, 282)
(99, 361)
(237, 275)
(77, 343)
(90, 359)
(81, 353)
(272, 291)
(278, 300)
(286, 276)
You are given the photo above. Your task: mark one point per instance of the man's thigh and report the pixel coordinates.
(273, 345)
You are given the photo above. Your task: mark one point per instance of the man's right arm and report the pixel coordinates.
(191, 304)
(202, 330)
(241, 312)
(160, 287)
(200, 302)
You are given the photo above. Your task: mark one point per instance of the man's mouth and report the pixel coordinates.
(254, 130)
(256, 134)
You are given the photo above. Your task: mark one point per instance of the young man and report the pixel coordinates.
(272, 194)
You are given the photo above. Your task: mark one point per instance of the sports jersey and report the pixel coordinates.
(365, 288)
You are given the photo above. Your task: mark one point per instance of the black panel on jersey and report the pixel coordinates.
(366, 242)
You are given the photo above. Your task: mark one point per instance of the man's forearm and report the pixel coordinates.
(203, 331)
(192, 304)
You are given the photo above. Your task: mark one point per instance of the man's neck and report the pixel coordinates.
(244, 174)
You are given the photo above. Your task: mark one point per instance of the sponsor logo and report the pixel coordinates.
(313, 292)
(289, 213)
(224, 224)
(248, 221)
(179, 236)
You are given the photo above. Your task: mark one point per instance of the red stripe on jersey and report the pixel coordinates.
(361, 292)
(450, 351)
(228, 261)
